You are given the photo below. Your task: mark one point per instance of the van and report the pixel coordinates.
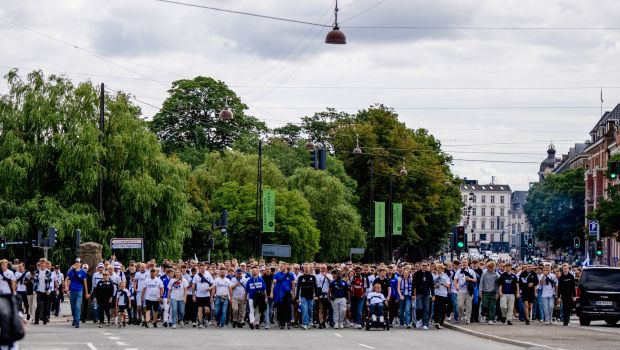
(599, 295)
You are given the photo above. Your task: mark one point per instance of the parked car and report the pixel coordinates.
(599, 295)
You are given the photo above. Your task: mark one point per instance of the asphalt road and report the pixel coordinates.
(61, 336)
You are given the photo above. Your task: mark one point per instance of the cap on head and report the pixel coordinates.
(100, 266)
(238, 271)
(77, 260)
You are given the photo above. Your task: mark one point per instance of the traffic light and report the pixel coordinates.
(322, 159)
(530, 242)
(51, 237)
(599, 248)
(576, 242)
(460, 237)
(2, 242)
(613, 169)
(314, 159)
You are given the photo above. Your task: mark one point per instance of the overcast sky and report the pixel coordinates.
(480, 91)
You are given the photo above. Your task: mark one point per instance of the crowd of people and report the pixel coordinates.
(263, 294)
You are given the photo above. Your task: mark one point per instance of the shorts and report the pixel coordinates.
(152, 305)
(203, 302)
(528, 297)
(139, 301)
(122, 308)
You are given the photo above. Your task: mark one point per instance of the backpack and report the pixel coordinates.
(11, 325)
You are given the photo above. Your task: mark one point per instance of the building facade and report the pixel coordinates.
(486, 215)
(520, 229)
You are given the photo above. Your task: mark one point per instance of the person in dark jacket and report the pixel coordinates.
(424, 291)
(566, 291)
(104, 291)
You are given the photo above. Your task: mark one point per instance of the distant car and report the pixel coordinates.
(494, 257)
(599, 295)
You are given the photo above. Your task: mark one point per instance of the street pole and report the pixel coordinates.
(101, 138)
(45, 251)
(259, 195)
(372, 206)
(390, 223)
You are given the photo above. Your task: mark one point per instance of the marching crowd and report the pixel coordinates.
(263, 294)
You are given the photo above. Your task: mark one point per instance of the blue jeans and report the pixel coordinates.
(357, 308)
(423, 305)
(540, 313)
(376, 309)
(404, 311)
(306, 310)
(455, 305)
(177, 309)
(268, 312)
(75, 299)
(548, 303)
(221, 309)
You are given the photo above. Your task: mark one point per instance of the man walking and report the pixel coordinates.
(566, 291)
(76, 286)
(306, 294)
(465, 280)
(508, 286)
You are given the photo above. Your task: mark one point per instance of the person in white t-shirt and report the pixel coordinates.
(7, 278)
(238, 283)
(222, 296)
(202, 285)
(22, 277)
(139, 280)
(177, 294)
(151, 297)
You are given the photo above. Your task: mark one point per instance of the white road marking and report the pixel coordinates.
(131, 349)
(108, 333)
(114, 338)
(365, 346)
(120, 343)
(338, 335)
(91, 346)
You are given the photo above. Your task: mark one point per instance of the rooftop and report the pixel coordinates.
(490, 187)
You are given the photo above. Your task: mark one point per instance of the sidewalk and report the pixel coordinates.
(539, 335)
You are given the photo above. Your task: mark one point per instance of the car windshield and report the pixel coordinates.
(601, 279)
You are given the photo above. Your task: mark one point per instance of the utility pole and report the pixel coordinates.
(372, 206)
(101, 139)
(259, 197)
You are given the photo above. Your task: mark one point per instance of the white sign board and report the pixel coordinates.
(359, 251)
(126, 243)
(273, 250)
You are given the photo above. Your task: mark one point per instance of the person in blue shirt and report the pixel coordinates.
(394, 298)
(281, 292)
(339, 294)
(165, 279)
(75, 285)
(255, 289)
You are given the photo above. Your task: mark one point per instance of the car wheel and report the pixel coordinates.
(611, 321)
(584, 321)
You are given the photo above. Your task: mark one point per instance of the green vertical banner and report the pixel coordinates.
(397, 219)
(269, 211)
(379, 219)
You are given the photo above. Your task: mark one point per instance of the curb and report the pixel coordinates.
(497, 338)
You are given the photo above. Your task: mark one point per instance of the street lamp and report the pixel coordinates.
(335, 36)
(403, 171)
(226, 114)
(357, 149)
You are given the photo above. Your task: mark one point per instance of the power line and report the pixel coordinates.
(481, 28)
(444, 107)
(363, 11)
(245, 13)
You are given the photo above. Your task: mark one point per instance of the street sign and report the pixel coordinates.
(593, 228)
(615, 259)
(272, 250)
(359, 251)
(126, 243)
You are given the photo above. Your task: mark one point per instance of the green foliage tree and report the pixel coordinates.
(188, 123)
(429, 192)
(336, 218)
(555, 208)
(51, 153)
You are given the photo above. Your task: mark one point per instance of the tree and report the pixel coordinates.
(52, 157)
(189, 119)
(555, 208)
(289, 133)
(429, 194)
(608, 213)
(294, 225)
(337, 219)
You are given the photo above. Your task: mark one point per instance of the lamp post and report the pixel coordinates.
(335, 36)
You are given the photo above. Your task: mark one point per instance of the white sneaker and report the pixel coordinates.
(359, 326)
(381, 319)
(491, 322)
(305, 328)
(374, 318)
(425, 328)
(174, 326)
(468, 322)
(418, 324)
(336, 326)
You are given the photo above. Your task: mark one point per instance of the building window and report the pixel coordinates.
(483, 225)
(492, 237)
(464, 198)
(484, 199)
(501, 199)
(464, 211)
(501, 225)
(474, 199)
(492, 211)
(484, 211)
(483, 236)
(492, 199)
(473, 224)
(501, 211)
(473, 212)
(519, 216)
(473, 237)
(513, 216)
(492, 224)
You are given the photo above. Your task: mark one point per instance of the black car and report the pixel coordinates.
(599, 295)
